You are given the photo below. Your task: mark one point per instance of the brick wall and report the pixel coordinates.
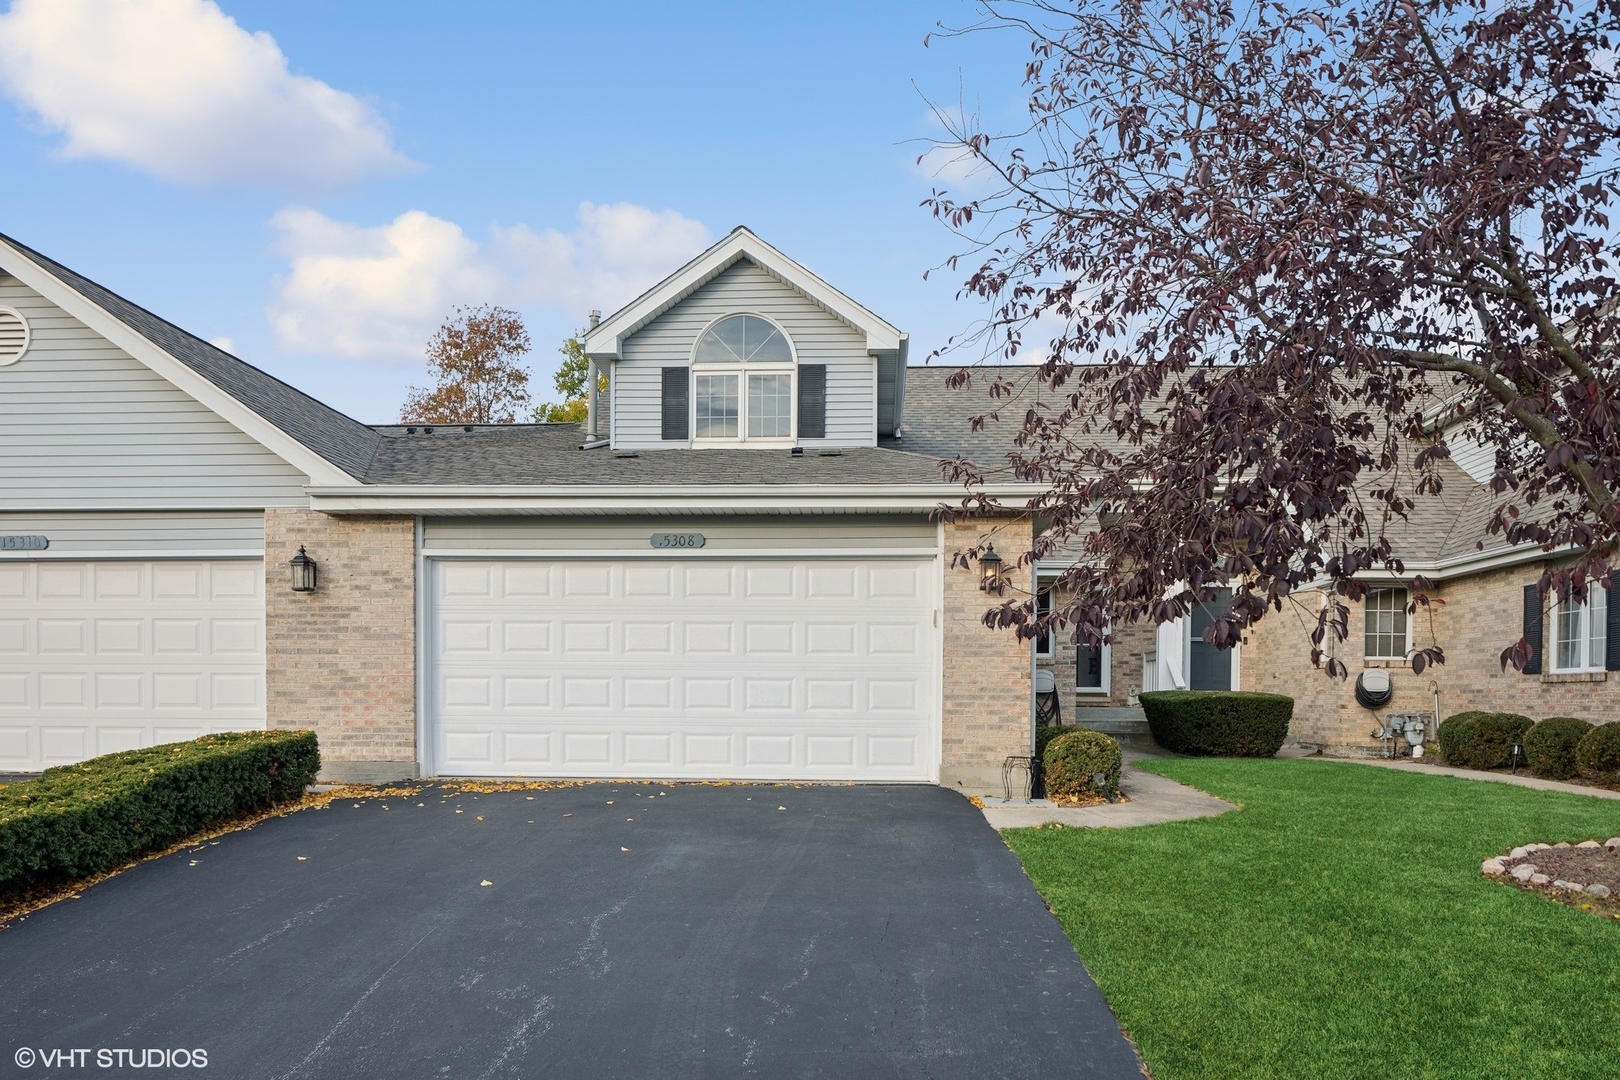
(1481, 616)
(342, 660)
(987, 674)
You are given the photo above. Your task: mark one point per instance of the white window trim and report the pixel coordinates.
(742, 371)
(1407, 650)
(1586, 666)
(1107, 672)
(1051, 641)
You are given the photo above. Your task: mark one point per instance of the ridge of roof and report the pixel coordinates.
(335, 436)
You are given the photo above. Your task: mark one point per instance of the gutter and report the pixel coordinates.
(645, 499)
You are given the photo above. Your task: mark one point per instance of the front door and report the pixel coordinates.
(1209, 668)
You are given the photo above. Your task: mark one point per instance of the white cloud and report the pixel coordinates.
(176, 88)
(377, 293)
(224, 343)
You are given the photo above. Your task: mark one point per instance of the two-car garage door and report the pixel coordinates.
(746, 668)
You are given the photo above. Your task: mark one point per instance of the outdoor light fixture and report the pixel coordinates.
(303, 571)
(990, 570)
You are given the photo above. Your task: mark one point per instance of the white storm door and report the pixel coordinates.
(97, 657)
(702, 668)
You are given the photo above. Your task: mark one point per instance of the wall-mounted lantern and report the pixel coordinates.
(990, 570)
(304, 571)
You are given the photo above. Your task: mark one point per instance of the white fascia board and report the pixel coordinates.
(607, 337)
(665, 499)
(318, 469)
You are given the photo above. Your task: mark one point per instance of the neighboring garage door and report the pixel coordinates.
(100, 656)
(713, 668)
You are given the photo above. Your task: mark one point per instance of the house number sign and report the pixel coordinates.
(24, 543)
(678, 540)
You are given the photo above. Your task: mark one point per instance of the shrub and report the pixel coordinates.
(1482, 740)
(78, 820)
(1597, 756)
(1073, 758)
(1044, 736)
(1549, 747)
(1218, 723)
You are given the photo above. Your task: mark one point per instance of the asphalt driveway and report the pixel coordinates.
(725, 931)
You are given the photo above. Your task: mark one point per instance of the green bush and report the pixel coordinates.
(1549, 747)
(1482, 740)
(1044, 736)
(78, 820)
(1597, 757)
(1073, 758)
(1218, 723)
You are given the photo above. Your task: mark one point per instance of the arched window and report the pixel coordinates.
(742, 381)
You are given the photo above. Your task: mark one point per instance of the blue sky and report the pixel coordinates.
(314, 184)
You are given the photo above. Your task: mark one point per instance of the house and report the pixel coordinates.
(733, 570)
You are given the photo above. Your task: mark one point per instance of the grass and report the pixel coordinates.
(1337, 926)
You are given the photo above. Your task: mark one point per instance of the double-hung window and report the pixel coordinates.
(742, 383)
(1384, 636)
(1580, 630)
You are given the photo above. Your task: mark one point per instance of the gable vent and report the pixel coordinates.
(13, 336)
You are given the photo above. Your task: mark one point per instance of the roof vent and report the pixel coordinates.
(427, 431)
(14, 336)
(797, 451)
(830, 453)
(626, 453)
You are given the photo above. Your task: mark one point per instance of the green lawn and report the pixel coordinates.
(1337, 926)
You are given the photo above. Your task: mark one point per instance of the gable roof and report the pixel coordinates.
(606, 338)
(326, 445)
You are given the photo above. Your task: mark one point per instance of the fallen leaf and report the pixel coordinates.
(480, 817)
(610, 802)
(486, 881)
(624, 849)
(568, 815)
(193, 862)
(529, 798)
(629, 819)
(460, 811)
(781, 808)
(303, 858)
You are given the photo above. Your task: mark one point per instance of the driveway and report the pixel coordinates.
(725, 931)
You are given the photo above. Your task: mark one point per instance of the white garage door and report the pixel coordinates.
(782, 669)
(103, 656)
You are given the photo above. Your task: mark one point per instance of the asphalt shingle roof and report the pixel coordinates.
(549, 454)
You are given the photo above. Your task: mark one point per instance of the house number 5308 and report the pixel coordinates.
(677, 540)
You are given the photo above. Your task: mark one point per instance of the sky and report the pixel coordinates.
(315, 185)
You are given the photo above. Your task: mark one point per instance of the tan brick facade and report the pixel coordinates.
(1482, 615)
(986, 713)
(1124, 662)
(342, 660)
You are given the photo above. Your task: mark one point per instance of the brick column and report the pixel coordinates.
(987, 672)
(342, 659)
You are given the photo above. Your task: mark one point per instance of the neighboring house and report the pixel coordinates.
(741, 577)
(1487, 596)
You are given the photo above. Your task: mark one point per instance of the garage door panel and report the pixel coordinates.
(96, 657)
(664, 669)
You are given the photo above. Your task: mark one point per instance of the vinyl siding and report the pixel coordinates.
(633, 535)
(85, 425)
(1477, 461)
(818, 337)
(142, 534)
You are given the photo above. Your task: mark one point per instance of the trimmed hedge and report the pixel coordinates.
(78, 820)
(1073, 758)
(1044, 736)
(1481, 740)
(1218, 723)
(1597, 756)
(1549, 747)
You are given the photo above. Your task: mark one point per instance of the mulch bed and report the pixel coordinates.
(1589, 866)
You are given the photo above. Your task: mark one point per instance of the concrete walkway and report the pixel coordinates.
(1153, 800)
(1421, 766)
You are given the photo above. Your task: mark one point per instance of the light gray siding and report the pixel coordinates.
(141, 534)
(1472, 458)
(831, 533)
(818, 336)
(83, 425)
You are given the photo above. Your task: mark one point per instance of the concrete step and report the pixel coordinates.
(1111, 720)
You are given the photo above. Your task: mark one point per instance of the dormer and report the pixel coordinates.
(744, 348)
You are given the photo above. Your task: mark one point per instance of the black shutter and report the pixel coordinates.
(812, 401)
(1532, 628)
(677, 402)
(1611, 629)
